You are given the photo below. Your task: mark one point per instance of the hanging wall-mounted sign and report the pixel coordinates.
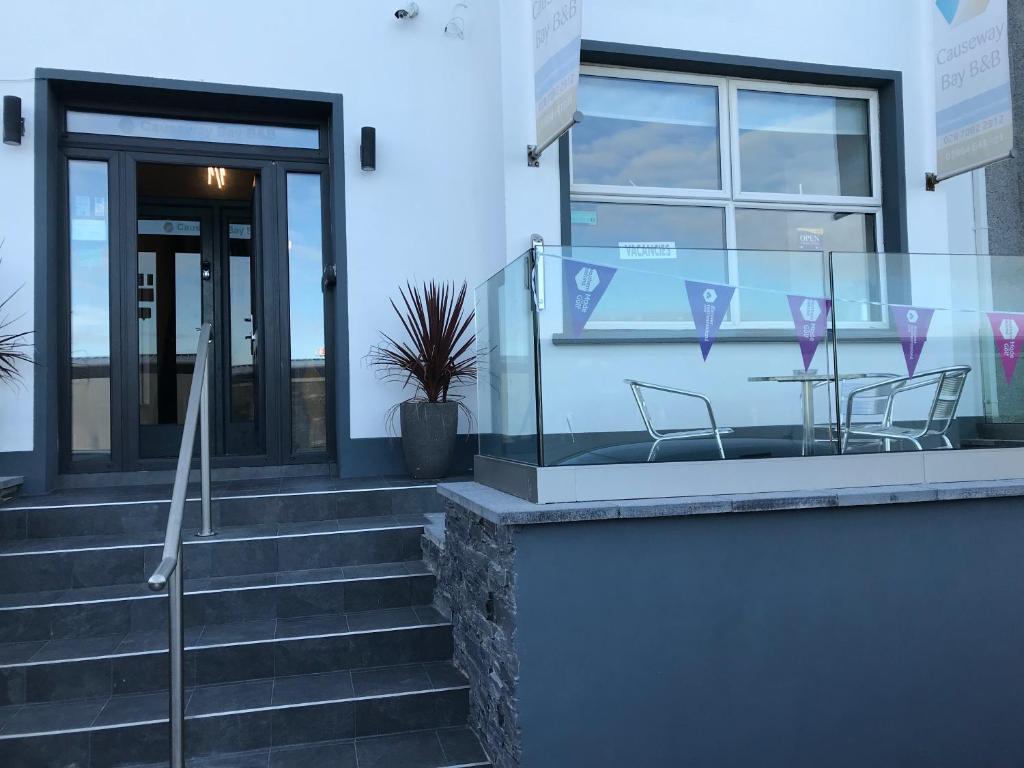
(557, 30)
(1006, 328)
(583, 285)
(974, 109)
(708, 302)
(810, 317)
(912, 325)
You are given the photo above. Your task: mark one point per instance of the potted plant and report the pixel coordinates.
(14, 345)
(437, 354)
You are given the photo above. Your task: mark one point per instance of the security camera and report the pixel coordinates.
(410, 11)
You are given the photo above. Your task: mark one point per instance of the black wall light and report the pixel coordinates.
(368, 149)
(14, 123)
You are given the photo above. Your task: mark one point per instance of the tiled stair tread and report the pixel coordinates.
(216, 700)
(213, 635)
(441, 748)
(116, 592)
(238, 533)
(220, 489)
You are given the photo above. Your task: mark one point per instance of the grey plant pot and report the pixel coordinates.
(428, 437)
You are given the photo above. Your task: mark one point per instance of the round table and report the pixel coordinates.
(808, 380)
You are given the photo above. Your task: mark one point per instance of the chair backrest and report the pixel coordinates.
(947, 384)
(949, 388)
(873, 402)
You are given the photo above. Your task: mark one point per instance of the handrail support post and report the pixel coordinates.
(175, 594)
(204, 453)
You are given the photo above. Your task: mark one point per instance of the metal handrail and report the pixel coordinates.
(169, 573)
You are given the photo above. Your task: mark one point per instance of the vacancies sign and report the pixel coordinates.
(974, 111)
(557, 27)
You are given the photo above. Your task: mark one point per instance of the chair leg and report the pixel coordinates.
(721, 448)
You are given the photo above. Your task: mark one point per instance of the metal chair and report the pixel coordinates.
(864, 409)
(714, 430)
(948, 384)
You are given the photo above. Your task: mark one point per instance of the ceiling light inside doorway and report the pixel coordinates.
(218, 176)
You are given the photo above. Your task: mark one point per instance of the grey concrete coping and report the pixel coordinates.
(504, 509)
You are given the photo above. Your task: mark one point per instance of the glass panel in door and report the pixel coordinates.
(239, 318)
(89, 271)
(306, 309)
(169, 291)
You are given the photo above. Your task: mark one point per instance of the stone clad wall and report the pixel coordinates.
(477, 582)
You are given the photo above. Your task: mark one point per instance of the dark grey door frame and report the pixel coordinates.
(270, 294)
(58, 89)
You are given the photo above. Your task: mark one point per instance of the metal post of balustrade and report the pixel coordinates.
(204, 451)
(175, 595)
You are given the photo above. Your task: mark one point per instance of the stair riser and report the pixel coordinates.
(242, 732)
(105, 567)
(99, 678)
(229, 606)
(152, 516)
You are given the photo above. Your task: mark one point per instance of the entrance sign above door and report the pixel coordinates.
(974, 111)
(557, 30)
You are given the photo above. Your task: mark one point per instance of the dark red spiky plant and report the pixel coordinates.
(439, 349)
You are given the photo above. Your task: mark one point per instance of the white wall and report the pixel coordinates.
(433, 209)
(452, 197)
(16, 259)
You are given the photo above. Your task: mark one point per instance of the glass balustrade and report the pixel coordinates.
(649, 353)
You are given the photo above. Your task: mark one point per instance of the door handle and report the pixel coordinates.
(253, 340)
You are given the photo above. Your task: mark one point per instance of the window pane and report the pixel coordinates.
(169, 297)
(804, 145)
(812, 231)
(242, 289)
(306, 307)
(636, 294)
(638, 133)
(88, 204)
(141, 126)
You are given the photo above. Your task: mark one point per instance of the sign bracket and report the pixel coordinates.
(533, 152)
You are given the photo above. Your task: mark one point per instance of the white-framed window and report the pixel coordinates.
(725, 170)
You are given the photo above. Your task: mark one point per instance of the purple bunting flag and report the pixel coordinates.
(709, 303)
(912, 325)
(1006, 328)
(583, 285)
(810, 316)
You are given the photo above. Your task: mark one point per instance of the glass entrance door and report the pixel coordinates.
(197, 262)
(175, 253)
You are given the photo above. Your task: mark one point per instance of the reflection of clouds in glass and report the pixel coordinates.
(801, 163)
(648, 100)
(90, 270)
(802, 113)
(306, 306)
(645, 154)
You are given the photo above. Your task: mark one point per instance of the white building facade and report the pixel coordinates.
(194, 162)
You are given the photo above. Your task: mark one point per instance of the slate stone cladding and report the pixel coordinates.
(477, 580)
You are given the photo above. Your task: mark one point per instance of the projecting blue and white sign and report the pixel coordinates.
(974, 110)
(557, 29)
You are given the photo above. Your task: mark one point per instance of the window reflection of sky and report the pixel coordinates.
(647, 134)
(801, 144)
(90, 262)
(305, 266)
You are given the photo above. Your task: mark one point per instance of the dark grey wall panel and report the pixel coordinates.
(871, 637)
